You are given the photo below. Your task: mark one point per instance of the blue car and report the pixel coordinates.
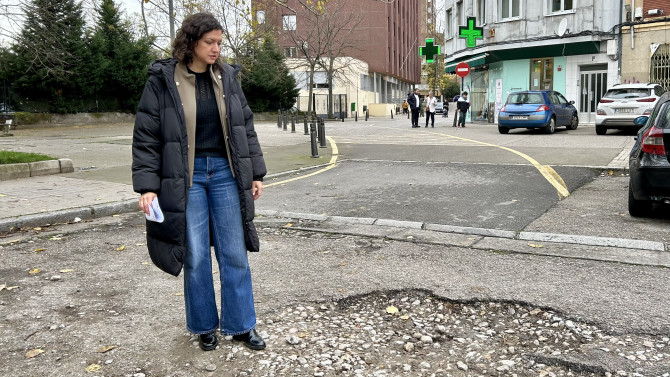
(545, 109)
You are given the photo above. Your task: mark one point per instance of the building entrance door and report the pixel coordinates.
(592, 86)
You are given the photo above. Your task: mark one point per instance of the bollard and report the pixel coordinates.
(315, 151)
(279, 119)
(293, 123)
(367, 115)
(322, 135)
(285, 120)
(342, 113)
(391, 114)
(305, 120)
(356, 113)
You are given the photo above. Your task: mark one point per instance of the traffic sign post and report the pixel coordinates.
(462, 69)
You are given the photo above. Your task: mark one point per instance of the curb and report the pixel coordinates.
(496, 233)
(68, 215)
(34, 169)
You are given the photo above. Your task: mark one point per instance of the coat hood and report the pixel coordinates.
(162, 67)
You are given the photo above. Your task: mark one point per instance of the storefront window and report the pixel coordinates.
(542, 74)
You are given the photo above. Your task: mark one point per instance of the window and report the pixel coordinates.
(448, 28)
(260, 17)
(320, 80)
(509, 8)
(481, 11)
(290, 52)
(561, 5)
(459, 13)
(289, 22)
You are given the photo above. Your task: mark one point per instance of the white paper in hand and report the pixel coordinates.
(155, 213)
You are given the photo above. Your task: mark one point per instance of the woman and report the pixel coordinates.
(195, 150)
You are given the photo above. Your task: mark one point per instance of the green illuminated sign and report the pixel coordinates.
(471, 33)
(429, 50)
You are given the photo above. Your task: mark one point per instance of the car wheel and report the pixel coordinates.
(600, 130)
(551, 126)
(574, 122)
(503, 130)
(638, 208)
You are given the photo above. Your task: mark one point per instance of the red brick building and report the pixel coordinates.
(385, 35)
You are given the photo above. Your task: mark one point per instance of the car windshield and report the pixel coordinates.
(524, 98)
(623, 93)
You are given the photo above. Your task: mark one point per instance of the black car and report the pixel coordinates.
(649, 161)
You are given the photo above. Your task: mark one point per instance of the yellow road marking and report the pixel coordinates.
(547, 171)
(331, 164)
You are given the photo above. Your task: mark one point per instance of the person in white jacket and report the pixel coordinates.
(431, 102)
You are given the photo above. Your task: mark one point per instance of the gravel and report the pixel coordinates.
(414, 333)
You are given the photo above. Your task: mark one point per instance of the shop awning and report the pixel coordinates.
(472, 62)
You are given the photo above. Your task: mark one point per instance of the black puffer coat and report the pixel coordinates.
(161, 164)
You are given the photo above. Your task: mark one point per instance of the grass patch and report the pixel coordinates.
(10, 157)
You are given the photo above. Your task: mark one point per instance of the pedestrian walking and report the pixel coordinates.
(195, 150)
(431, 102)
(414, 103)
(462, 105)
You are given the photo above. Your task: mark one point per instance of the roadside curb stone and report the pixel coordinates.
(66, 215)
(34, 169)
(44, 168)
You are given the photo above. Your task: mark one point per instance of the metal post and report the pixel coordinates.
(279, 118)
(315, 151)
(305, 120)
(285, 120)
(293, 123)
(322, 135)
(391, 113)
(356, 114)
(367, 115)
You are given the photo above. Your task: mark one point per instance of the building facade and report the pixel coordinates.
(384, 38)
(563, 45)
(645, 42)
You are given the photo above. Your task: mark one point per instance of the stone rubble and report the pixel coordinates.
(429, 336)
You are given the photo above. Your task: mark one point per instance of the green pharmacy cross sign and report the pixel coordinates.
(471, 33)
(429, 50)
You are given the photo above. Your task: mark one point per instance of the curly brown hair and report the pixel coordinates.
(192, 29)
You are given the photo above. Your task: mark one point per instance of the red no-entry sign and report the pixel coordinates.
(462, 69)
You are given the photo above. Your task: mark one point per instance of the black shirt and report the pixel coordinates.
(209, 140)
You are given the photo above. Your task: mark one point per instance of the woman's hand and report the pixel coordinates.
(257, 189)
(145, 201)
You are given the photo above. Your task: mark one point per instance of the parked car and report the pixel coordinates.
(649, 160)
(544, 109)
(623, 103)
(439, 107)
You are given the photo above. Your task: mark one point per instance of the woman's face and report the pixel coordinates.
(208, 48)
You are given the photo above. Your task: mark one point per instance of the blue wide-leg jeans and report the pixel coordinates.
(214, 203)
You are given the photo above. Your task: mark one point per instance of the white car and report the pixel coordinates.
(622, 103)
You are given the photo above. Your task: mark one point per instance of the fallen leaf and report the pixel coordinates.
(116, 215)
(289, 225)
(145, 263)
(391, 309)
(34, 352)
(404, 317)
(610, 172)
(37, 228)
(39, 249)
(534, 245)
(92, 368)
(35, 270)
(66, 270)
(10, 288)
(106, 349)
(55, 238)
(121, 248)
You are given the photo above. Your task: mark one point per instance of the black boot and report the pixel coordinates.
(208, 342)
(251, 339)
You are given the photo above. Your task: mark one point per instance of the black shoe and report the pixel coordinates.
(208, 342)
(251, 339)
